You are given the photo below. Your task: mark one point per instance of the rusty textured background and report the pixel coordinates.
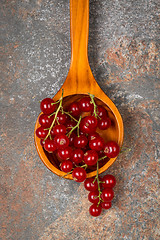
(35, 55)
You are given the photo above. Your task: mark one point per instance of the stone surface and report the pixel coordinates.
(35, 56)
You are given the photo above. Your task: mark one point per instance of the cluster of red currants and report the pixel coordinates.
(74, 139)
(100, 193)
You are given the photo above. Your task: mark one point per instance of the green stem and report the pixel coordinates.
(94, 104)
(102, 158)
(70, 116)
(56, 113)
(98, 181)
(77, 126)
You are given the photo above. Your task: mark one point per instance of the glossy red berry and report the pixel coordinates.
(49, 145)
(106, 205)
(79, 174)
(107, 194)
(93, 135)
(88, 124)
(104, 123)
(93, 196)
(47, 106)
(74, 109)
(85, 104)
(101, 111)
(91, 157)
(61, 141)
(109, 181)
(41, 132)
(111, 149)
(90, 184)
(78, 155)
(65, 153)
(95, 210)
(96, 143)
(80, 142)
(57, 129)
(71, 138)
(66, 166)
(62, 118)
(45, 121)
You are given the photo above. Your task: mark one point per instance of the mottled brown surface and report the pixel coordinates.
(35, 53)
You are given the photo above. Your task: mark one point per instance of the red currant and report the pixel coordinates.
(88, 124)
(41, 132)
(45, 121)
(96, 143)
(101, 111)
(91, 157)
(47, 106)
(93, 196)
(79, 174)
(90, 184)
(65, 153)
(109, 181)
(93, 135)
(85, 104)
(58, 129)
(42, 142)
(111, 149)
(50, 146)
(74, 109)
(107, 194)
(106, 205)
(66, 166)
(78, 155)
(62, 118)
(95, 210)
(80, 142)
(61, 141)
(71, 139)
(104, 123)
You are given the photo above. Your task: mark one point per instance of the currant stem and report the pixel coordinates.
(56, 113)
(94, 104)
(102, 158)
(98, 181)
(70, 116)
(77, 126)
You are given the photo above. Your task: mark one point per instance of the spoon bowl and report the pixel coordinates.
(79, 82)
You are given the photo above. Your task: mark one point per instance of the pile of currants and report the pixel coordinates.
(71, 133)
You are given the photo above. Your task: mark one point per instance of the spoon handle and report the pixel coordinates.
(79, 29)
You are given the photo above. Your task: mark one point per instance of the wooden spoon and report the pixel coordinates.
(80, 82)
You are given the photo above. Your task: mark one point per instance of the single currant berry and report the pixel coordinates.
(78, 155)
(80, 141)
(74, 109)
(65, 153)
(91, 157)
(71, 138)
(93, 196)
(45, 121)
(107, 194)
(85, 104)
(66, 166)
(111, 149)
(62, 118)
(106, 205)
(69, 125)
(109, 181)
(95, 210)
(101, 111)
(104, 123)
(47, 106)
(41, 132)
(79, 174)
(61, 141)
(88, 124)
(50, 146)
(96, 143)
(93, 135)
(57, 129)
(90, 184)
